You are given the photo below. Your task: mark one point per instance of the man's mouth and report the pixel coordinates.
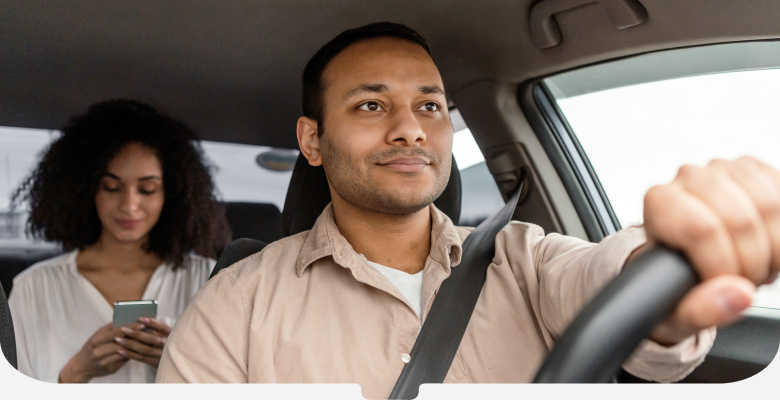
(406, 164)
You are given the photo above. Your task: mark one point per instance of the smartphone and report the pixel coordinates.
(127, 312)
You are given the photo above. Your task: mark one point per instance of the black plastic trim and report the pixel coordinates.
(577, 159)
(540, 114)
(584, 166)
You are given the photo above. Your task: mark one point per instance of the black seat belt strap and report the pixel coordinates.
(451, 310)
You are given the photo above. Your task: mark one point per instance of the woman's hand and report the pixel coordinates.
(725, 218)
(98, 357)
(142, 344)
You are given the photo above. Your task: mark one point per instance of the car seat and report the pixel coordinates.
(260, 221)
(15, 260)
(7, 339)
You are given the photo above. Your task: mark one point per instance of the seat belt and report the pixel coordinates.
(443, 329)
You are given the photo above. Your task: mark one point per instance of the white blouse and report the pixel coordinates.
(55, 310)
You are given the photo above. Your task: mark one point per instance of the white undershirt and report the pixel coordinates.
(410, 285)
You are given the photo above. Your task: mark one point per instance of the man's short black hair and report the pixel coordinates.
(312, 74)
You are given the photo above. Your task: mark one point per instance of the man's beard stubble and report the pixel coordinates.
(348, 182)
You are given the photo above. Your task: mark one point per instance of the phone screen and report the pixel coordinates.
(127, 312)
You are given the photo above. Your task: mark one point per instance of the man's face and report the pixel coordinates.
(387, 140)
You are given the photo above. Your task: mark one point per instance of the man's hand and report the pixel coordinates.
(143, 344)
(725, 218)
(99, 356)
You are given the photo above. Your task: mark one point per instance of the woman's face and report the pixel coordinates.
(130, 195)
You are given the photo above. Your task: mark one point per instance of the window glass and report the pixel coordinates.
(239, 176)
(18, 153)
(639, 120)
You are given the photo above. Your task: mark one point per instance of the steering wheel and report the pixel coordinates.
(613, 323)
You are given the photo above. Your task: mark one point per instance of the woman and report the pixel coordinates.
(128, 192)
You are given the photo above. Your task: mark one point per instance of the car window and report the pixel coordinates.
(639, 119)
(251, 173)
(18, 153)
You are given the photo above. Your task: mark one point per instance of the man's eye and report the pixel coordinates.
(431, 106)
(370, 106)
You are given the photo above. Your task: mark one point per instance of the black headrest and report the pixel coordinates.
(236, 251)
(259, 221)
(308, 194)
(15, 260)
(7, 338)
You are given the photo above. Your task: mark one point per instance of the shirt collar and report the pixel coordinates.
(325, 240)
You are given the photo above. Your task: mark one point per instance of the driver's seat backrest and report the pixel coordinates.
(308, 194)
(7, 339)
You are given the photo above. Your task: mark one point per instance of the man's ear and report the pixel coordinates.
(309, 140)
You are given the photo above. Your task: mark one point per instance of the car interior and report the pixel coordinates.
(232, 71)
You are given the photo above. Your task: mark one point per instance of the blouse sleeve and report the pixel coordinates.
(22, 304)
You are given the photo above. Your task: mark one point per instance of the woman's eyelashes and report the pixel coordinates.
(141, 190)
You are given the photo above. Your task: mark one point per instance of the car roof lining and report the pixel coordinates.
(233, 72)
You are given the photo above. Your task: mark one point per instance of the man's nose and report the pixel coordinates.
(406, 129)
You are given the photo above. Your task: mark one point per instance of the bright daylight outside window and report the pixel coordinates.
(638, 120)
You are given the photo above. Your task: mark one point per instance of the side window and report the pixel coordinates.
(251, 173)
(638, 120)
(18, 154)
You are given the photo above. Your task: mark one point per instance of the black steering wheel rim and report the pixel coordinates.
(614, 322)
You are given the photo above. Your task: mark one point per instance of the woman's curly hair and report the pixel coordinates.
(61, 190)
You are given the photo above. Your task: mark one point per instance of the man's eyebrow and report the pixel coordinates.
(368, 88)
(430, 90)
(382, 88)
(143, 178)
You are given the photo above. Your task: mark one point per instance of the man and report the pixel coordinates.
(344, 301)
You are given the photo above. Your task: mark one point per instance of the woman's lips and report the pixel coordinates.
(128, 223)
(406, 164)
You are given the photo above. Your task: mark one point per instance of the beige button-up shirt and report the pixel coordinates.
(308, 308)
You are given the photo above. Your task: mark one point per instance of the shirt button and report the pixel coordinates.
(406, 358)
